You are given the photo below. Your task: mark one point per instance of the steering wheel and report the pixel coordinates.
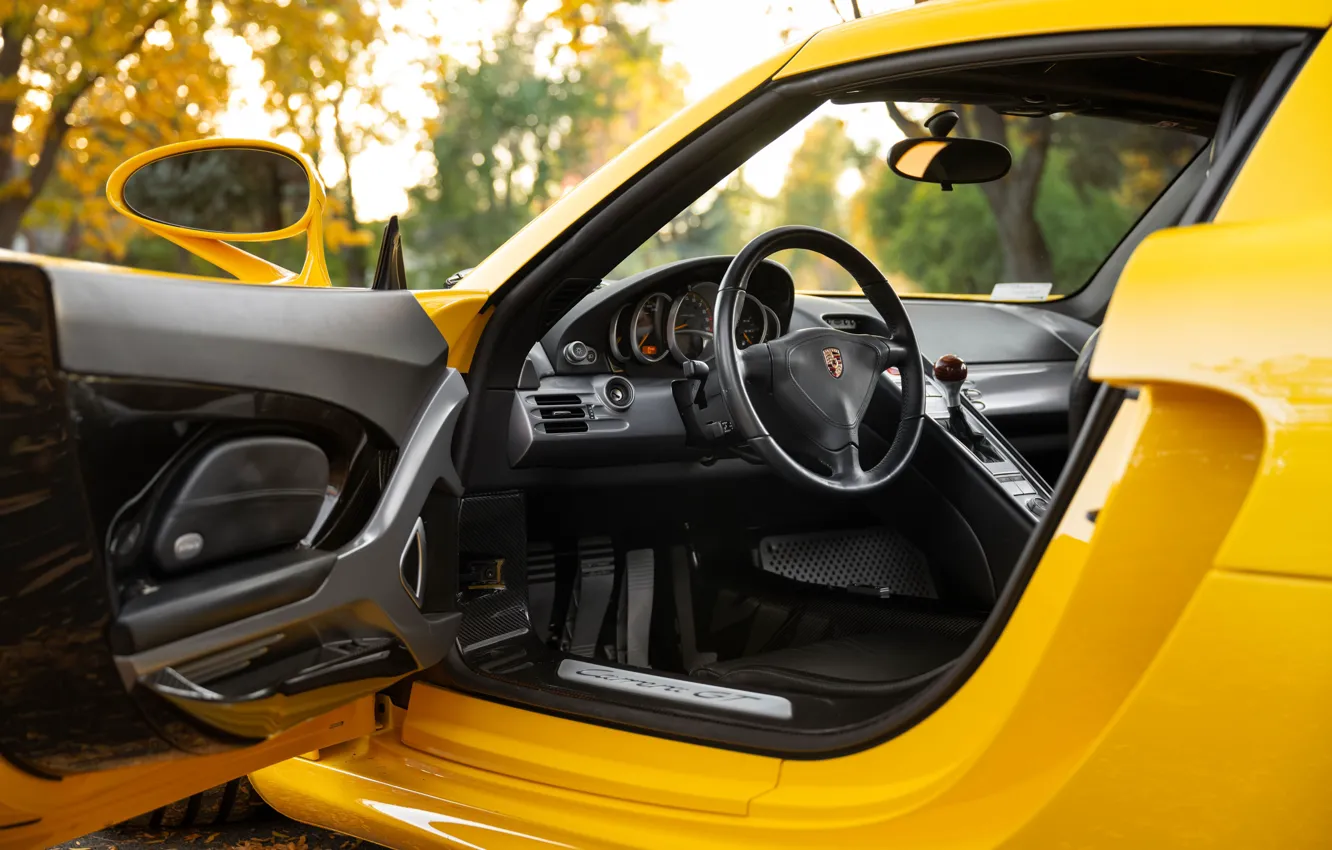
(821, 379)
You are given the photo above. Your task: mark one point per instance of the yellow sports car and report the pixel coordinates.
(539, 557)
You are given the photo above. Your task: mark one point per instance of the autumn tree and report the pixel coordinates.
(811, 195)
(86, 83)
(323, 83)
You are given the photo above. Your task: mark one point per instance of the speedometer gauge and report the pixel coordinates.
(690, 333)
(619, 334)
(648, 328)
(751, 325)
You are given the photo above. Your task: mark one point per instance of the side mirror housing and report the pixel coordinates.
(204, 195)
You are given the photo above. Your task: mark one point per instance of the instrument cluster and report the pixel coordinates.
(658, 326)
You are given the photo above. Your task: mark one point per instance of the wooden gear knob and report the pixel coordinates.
(950, 369)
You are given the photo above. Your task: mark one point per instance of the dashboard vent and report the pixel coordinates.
(560, 413)
(563, 413)
(557, 399)
(856, 324)
(565, 427)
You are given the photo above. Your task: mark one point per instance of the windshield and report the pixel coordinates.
(1076, 187)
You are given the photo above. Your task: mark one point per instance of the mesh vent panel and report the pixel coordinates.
(871, 557)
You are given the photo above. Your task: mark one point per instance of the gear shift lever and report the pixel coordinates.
(950, 371)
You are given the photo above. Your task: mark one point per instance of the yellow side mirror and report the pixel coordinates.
(204, 195)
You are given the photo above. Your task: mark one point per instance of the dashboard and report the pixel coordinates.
(601, 387)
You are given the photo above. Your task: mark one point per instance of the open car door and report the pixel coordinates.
(224, 525)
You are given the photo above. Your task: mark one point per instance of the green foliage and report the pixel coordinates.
(512, 138)
(1098, 178)
(503, 146)
(718, 223)
(941, 241)
(810, 196)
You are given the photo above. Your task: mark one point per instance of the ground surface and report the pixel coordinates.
(267, 831)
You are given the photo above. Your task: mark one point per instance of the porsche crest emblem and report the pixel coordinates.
(832, 357)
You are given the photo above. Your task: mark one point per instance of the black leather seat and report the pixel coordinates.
(861, 665)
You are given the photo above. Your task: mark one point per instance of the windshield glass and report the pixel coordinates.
(1076, 187)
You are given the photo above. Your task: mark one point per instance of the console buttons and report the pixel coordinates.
(579, 353)
(1038, 506)
(1019, 487)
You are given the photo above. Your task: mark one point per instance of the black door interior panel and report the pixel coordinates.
(362, 613)
(204, 554)
(238, 497)
(376, 354)
(198, 603)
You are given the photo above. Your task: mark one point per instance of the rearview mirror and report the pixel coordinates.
(948, 161)
(237, 191)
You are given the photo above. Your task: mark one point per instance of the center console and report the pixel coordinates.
(952, 401)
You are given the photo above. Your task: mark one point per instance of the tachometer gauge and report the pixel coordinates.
(690, 334)
(751, 326)
(649, 326)
(619, 334)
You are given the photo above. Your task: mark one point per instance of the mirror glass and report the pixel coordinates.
(221, 190)
(935, 160)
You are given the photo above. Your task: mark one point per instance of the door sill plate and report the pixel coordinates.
(680, 691)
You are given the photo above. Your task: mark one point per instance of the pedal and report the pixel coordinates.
(541, 573)
(593, 586)
(635, 608)
(878, 558)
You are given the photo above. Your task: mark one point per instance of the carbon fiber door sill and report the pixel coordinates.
(682, 691)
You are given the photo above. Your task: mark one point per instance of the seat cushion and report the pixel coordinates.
(861, 665)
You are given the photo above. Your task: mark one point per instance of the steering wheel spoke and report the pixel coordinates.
(899, 355)
(756, 366)
(843, 463)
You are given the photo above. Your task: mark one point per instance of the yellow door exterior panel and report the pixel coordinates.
(1282, 176)
(943, 22)
(1225, 743)
(1257, 303)
(581, 756)
(36, 812)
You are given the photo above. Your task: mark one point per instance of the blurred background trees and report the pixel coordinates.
(550, 91)
(513, 135)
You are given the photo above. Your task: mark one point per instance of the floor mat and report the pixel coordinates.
(767, 612)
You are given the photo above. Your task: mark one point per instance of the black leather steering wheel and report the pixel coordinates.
(822, 379)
